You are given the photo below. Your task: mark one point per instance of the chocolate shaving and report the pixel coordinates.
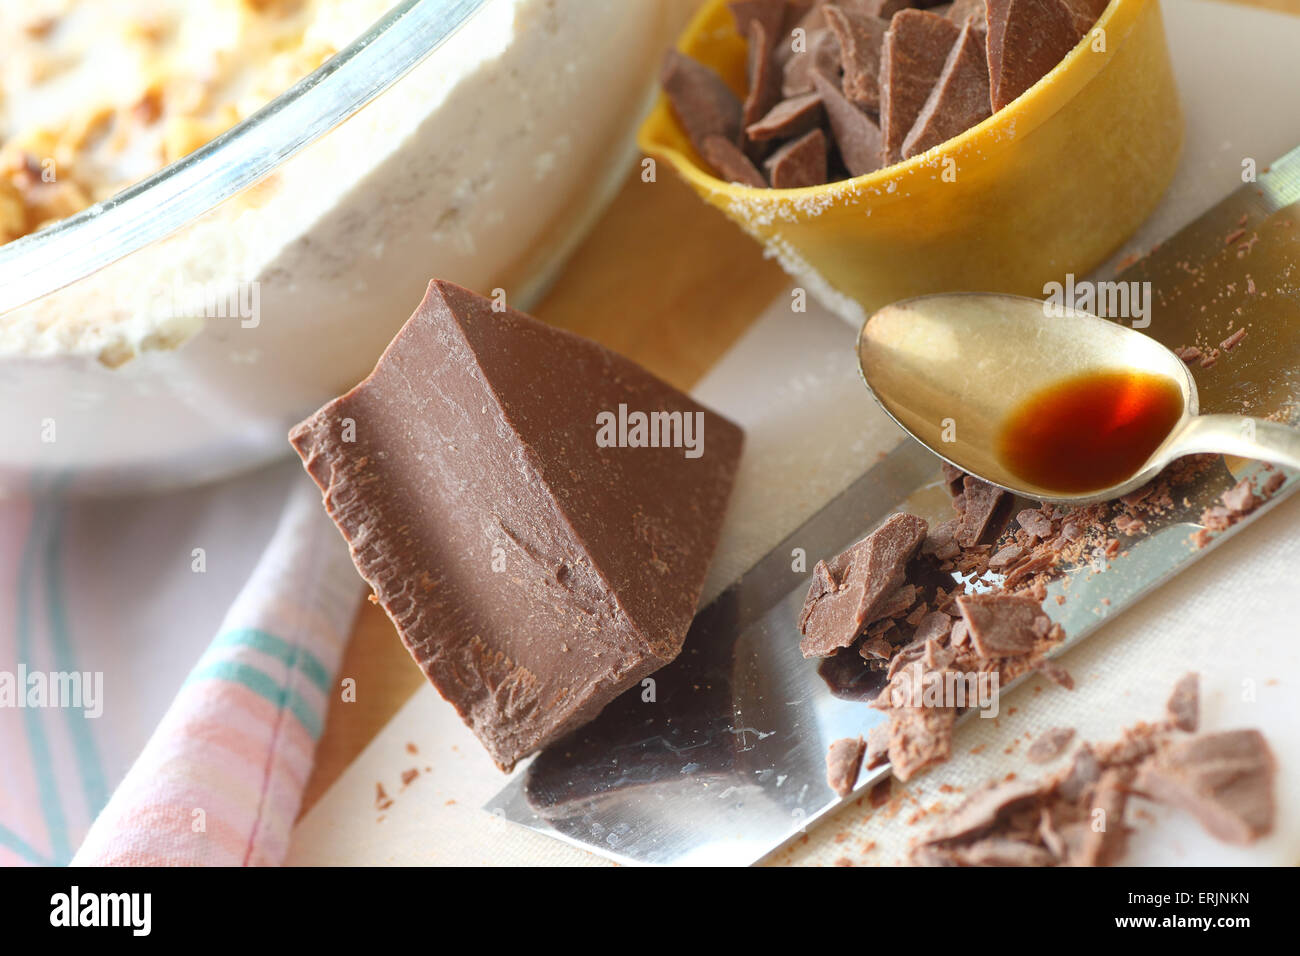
(799, 163)
(792, 117)
(959, 98)
(731, 162)
(702, 102)
(915, 51)
(861, 38)
(857, 137)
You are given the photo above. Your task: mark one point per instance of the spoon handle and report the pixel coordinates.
(1253, 438)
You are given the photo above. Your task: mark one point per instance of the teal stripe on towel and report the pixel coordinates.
(42, 767)
(265, 686)
(93, 782)
(277, 647)
(20, 846)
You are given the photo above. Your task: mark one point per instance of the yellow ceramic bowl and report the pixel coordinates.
(1050, 185)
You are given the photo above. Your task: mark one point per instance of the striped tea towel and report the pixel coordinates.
(116, 596)
(220, 780)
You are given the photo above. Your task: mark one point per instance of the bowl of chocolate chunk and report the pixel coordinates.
(882, 149)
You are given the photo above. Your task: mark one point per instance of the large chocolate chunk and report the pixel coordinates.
(702, 102)
(960, 97)
(861, 39)
(1027, 38)
(916, 49)
(535, 513)
(848, 591)
(855, 134)
(1225, 780)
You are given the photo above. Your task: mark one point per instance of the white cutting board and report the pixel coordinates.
(791, 382)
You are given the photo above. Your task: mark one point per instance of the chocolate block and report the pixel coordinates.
(501, 494)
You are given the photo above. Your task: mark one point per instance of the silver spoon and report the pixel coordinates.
(950, 369)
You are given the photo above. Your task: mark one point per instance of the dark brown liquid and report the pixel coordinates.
(1089, 432)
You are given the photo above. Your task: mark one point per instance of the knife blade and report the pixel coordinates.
(721, 759)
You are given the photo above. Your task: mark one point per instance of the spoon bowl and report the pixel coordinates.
(952, 369)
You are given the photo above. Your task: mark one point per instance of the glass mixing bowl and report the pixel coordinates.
(173, 333)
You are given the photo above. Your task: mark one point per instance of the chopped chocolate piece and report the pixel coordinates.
(959, 98)
(1026, 39)
(702, 102)
(935, 626)
(1136, 743)
(885, 9)
(768, 14)
(846, 592)
(953, 476)
(982, 809)
(1184, 706)
(1006, 557)
(897, 602)
(1055, 673)
(731, 162)
(919, 737)
(962, 11)
(764, 78)
(982, 504)
(1233, 340)
(843, 763)
(942, 541)
(821, 56)
(877, 746)
(1082, 776)
(861, 38)
(1225, 780)
(1103, 840)
(799, 163)
(1188, 353)
(994, 851)
(960, 633)
(792, 117)
(1129, 525)
(1218, 518)
(855, 134)
(876, 648)
(473, 442)
(1003, 625)
(1049, 745)
(1240, 498)
(1275, 481)
(916, 49)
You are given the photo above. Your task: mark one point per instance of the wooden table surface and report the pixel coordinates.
(700, 283)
